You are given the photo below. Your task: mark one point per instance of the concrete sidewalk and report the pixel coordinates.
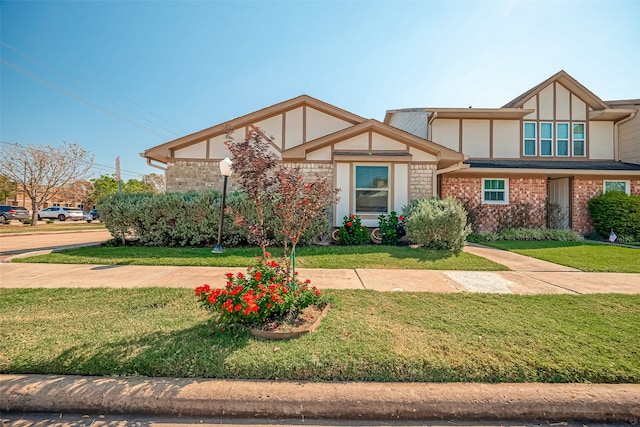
(528, 276)
(309, 400)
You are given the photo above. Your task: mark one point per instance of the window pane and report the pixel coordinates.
(494, 184)
(372, 200)
(563, 147)
(372, 177)
(615, 186)
(530, 147)
(578, 148)
(494, 196)
(546, 130)
(529, 130)
(578, 130)
(563, 130)
(546, 148)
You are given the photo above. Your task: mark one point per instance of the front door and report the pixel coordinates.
(559, 203)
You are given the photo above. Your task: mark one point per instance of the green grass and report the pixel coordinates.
(368, 256)
(585, 256)
(16, 227)
(367, 336)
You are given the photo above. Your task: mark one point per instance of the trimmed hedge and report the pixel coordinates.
(616, 211)
(526, 234)
(188, 219)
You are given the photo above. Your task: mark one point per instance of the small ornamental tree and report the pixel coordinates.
(255, 167)
(299, 202)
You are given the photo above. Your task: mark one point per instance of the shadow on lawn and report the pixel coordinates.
(198, 351)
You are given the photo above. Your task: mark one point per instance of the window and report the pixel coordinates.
(372, 189)
(623, 186)
(495, 191)
(546, 139)
(578, 140)
(530, 139)
(562, 141)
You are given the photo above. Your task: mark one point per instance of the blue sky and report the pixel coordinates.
(119, 77)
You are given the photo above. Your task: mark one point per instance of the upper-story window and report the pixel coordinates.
(562, 139)
(546, 139)
(579, 140)
(569, 139)
(530, 139)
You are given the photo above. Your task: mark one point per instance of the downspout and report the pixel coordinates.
(155, 166)
(451, 168)
(616, 135)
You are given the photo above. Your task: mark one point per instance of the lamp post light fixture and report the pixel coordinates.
(225, 170)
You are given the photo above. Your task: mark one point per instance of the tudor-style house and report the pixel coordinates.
(558, 142)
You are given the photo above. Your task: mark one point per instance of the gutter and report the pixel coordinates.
(155, 166)
(451, 168)
(616, 135)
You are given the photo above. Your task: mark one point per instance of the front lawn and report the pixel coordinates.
(366, 256)
(585, 256)
(367, 336)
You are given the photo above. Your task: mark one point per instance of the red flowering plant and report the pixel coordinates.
(391, 228)
(265, 293)
(352, 231)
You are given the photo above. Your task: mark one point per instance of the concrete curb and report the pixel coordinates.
(367, 401)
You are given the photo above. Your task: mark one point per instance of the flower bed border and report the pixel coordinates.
(277, 335)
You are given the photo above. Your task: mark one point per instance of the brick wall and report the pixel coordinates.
(421, 181)
(183, 176)
(491, 217)
(583, 191)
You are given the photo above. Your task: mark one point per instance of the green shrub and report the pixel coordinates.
(352, 231)
(391, 228)
(527, 234)
(437, 224)
(186, 219)
(26, 221)
(616, 211)
(50, 221)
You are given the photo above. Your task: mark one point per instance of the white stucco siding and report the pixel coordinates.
(272, 128)
(343, 182)
(546, 104)
(563, 101)
(294, 128)
(601, 140)
(380, 142)
(359, 142)
(321, 154)
(400, 187)
(475, 138)
(217, 148)
(506, 139)
(195, 151)
(446, 132)
(578, 108)
(421, 156)
(531, 104)
(320, 124)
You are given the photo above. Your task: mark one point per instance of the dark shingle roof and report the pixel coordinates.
(554, 164)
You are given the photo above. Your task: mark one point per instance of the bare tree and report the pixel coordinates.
(42, 171)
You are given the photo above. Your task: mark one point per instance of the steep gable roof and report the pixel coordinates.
(568, 82)
(444, 154)
(159, 152)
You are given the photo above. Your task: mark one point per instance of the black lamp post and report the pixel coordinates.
(225, 170)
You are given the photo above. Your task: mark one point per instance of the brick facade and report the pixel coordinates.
(183, 176)
(529, 193)
(583, 191)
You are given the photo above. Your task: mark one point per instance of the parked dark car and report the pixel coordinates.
(13, 212)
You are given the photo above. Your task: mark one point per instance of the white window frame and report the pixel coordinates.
(549, 139)
(356, 188)
(505, 190)
(574, 140)
(534, 139)
(627, 185)
(566, 140)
